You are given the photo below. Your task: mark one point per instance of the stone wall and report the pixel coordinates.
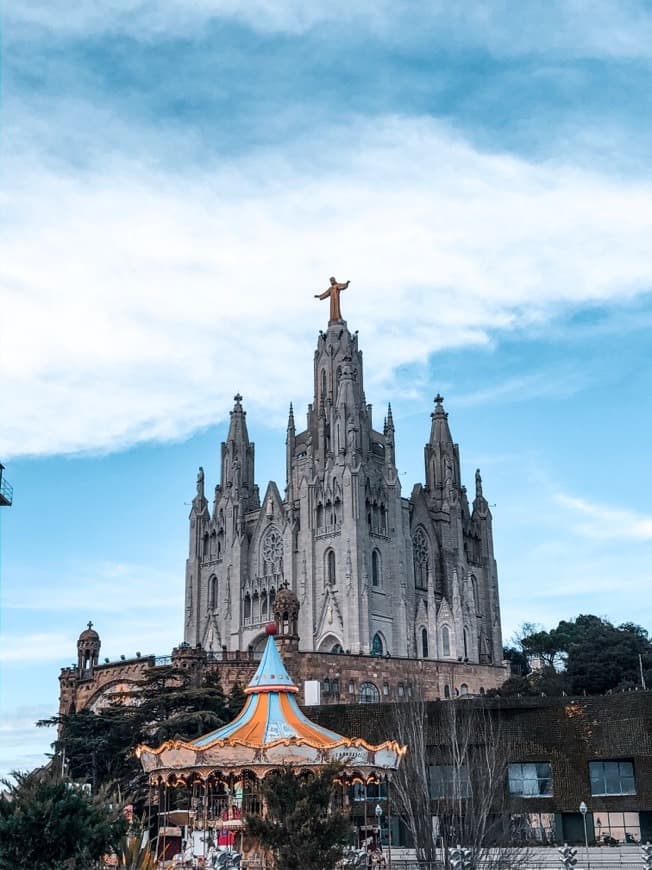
(395, 678)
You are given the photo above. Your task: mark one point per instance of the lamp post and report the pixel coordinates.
(584, 810)
(379, 814)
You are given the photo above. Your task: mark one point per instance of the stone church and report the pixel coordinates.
(375, 572)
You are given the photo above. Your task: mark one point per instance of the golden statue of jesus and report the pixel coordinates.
(334, 292)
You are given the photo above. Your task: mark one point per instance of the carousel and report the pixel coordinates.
(205, 788)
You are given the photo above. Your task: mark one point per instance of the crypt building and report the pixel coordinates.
(375, 572)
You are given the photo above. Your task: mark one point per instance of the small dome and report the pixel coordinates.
(89, 633)
(285, 600)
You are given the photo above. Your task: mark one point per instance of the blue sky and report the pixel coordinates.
(179, 179)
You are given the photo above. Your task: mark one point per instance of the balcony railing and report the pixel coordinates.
(6, 490)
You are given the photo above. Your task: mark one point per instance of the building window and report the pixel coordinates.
(351, 687)
(612, 777)
(618, 827)
(247, 608)
(263, 606)
(449, 781)
(447, 691)
(400, 690)
(466, 643)
(326, 686)
(474, 587)
(420, 558)
(335, 687)
(424, 643)
(464, 689)
(212, 593)
(375, 568)
(369, 693)
(385, 688)
(535, 828)
(377, 645)
(330, 567)
(445, 641)
(530, 779)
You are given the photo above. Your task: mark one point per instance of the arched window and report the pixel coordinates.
(330, 567)
(464, 689)
(263, 606)
(375, 568)
(466, 642)
(377, 645)
(369, 693)
(212, 593)
(421, 559)
(474, 587)
(319, 519)
(383, 519)
(247, 607)
(445, 642)
(447, 691)
(337, 648)
(323, 384)
(424, 643)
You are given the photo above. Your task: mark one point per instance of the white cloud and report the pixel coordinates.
(603, 522)
(135, 302)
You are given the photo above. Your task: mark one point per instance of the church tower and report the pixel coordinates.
(351, 540)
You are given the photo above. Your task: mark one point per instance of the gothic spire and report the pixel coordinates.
(439, 431)
(238, 454)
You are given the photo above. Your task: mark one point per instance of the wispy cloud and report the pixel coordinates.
(155, 294)
(553, 383)
(22, 745)
(108, 587)
(600, 521)
(614, 28)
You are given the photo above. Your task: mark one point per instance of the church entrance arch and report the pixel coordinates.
(330, 644)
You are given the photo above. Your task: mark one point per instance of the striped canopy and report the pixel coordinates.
(270, 731)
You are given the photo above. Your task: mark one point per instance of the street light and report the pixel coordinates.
(379, 814)
(584, 810)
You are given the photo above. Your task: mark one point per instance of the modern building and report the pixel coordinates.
(558, 754)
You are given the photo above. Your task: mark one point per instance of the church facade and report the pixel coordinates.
(374, 571)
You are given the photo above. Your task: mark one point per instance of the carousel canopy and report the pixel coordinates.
(269, 731)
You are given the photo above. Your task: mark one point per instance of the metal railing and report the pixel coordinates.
(6, 491)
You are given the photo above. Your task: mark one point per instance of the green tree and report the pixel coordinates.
(301, 828)
(587, 654)
(48, 824)
(98, 747)
(236, 700)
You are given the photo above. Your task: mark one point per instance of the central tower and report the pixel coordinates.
(344, 499)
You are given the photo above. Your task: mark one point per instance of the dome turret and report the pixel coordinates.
(286, 616)
(88, 650)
